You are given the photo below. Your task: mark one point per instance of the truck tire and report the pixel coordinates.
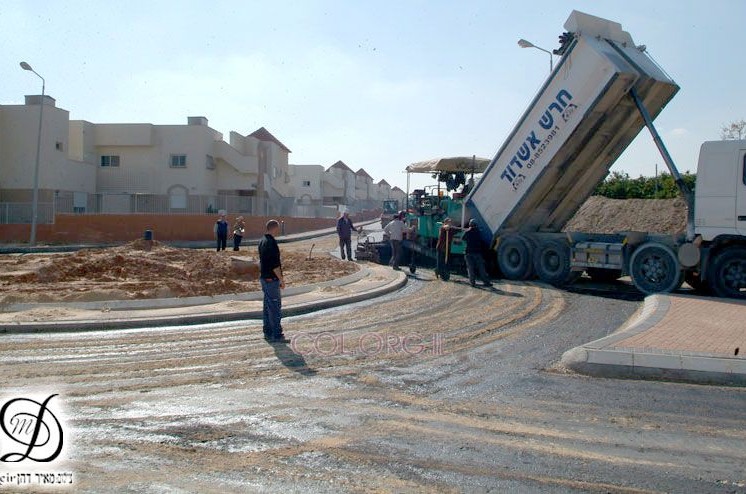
(602, 275)
(727, 273)
(514, 257)
(552, 263)
(654, 268)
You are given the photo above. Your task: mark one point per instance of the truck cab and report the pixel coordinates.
(720, 195)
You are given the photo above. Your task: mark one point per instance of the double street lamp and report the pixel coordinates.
(35, 200)
(527, 44)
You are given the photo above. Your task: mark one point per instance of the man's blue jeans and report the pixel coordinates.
(272, 308)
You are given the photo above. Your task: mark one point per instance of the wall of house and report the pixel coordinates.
(19, 127)
(145, 158)
(310, 194)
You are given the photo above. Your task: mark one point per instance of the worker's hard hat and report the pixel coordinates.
(472, 222)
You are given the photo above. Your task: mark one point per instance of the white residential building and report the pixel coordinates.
(89, 167)
(339, 187)
(384, 190)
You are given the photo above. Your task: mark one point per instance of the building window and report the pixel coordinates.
(178, 161)
(210, 163)
(306, 183)
(110, 160)
(58, 146)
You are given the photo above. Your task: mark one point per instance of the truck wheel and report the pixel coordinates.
(654, 268)
(603, 275)
(552, 263)
(727, 274)
(514, 257)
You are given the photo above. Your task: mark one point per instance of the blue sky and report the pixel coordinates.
(377, 84)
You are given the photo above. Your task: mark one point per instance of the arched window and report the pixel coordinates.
(177, 197)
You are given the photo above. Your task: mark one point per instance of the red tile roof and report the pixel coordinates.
(264, 135)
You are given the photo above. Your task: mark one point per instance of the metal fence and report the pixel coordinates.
(12, 213)
(153, 204)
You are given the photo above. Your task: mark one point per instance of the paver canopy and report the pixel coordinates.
(468, 164)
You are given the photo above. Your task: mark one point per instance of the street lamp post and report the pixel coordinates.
(35, 200)
(527, 44)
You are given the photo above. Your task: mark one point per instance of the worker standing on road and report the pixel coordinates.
(272, 282)
(443, 247)
(221, 232)
(238, 230)
(344, 230)
(474, 255)
(395, 231)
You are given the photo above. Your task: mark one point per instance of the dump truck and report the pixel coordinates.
(602, 93)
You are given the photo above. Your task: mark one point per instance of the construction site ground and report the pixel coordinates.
(434, 386)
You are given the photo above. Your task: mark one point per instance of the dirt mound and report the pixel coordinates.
(132, 272)
(603, 215)
(142, 244)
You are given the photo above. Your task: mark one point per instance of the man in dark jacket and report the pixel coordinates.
(474, 255)
(221, 232)
(344, 230)
(272, 282)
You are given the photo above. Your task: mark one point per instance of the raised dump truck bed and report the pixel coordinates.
(576, 127)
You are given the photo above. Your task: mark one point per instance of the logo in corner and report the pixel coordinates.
(30, 431)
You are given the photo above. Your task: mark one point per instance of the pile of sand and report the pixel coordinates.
(603, 215)
(133, 272)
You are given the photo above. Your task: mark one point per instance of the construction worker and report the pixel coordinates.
(474, 255)
(221, 232)
(238, 230)
(344, 231)
(272, 281)
(443, 248)
(395, 230)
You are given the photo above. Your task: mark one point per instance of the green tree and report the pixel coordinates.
(619, 185)
(734, 130)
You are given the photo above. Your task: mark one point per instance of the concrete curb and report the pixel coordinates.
(599, 358)
(188, 319)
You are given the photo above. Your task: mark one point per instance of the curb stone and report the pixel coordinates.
(599, 358)
(190, 319)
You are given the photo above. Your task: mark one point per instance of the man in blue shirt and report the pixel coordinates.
(272, 282)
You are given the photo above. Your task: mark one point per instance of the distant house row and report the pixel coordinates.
(340, 185)
(145, 168)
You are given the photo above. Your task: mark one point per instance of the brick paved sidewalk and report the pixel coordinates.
(674, 337)
(698, 325)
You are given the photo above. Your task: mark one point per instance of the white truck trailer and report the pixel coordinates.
(600, 95)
